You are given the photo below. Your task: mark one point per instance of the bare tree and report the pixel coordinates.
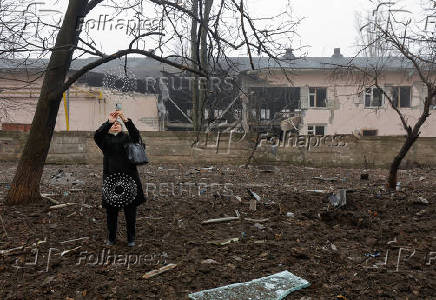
(168, 22)
(407, 41)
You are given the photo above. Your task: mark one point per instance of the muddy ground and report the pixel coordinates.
(332, 248)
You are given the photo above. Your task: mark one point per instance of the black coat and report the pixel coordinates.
(114, 156)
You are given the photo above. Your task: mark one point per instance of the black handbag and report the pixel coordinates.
(136, 152)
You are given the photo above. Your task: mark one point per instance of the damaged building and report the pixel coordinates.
(304, 96)
(314, 96)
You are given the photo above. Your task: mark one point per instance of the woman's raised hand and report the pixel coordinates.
(112, 117)
(121, 115)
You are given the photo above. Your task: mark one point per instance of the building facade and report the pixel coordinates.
(82, 108)
(313, 97)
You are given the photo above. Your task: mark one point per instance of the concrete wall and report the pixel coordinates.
(347, 151)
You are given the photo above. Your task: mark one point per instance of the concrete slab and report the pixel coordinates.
(273, 287)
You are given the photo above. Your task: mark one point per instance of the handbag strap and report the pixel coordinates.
(140, 140)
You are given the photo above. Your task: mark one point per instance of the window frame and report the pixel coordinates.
(315, 94)
(382, 100)
(217, 113)
(312, 132)
(398, 87)
(265, 114)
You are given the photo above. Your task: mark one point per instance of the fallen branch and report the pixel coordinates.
(49, 194)
(159, 271)
(152, 218)
(74, 240)
(63, 205)
(72, 214)
(71, 250)
(53, 201)
(219, 220)
(326, 179)
(223, 242)
(256, 220)
(318, 191)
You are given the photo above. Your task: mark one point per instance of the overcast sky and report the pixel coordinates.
(325, 24)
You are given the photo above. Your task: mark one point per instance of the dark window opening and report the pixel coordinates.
(369, 132)
(267, 103)
(401, 96)
(315, 130)
(317, 97)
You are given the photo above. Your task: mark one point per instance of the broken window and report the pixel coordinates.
(316, 129)
(253, 113)
(264, 114)
(274, 98)
(237, 113)
(218, 113)
(317, 97)
(373, 97)
(401, 96)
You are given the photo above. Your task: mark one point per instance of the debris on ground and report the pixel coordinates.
(254, 195)
(259, 226)
(328, 179)
(253, 204)
(209, 261)
(339, 199)
(290, 214)
(159, 271)
(223, 242)
(274, 287)
(374, 254)
(364, 176)
(374, 219)
(318, 191)
(421, 200)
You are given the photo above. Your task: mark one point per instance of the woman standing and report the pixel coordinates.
(117, 170)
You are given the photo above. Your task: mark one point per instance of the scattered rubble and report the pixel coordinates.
(339, 199)
(373, 220)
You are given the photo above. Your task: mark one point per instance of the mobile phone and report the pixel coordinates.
(118, 106)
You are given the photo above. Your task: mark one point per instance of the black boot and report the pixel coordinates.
(130, 214)
(112, 219)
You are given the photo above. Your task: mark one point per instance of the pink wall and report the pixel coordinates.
(87, 110)
(347, 112)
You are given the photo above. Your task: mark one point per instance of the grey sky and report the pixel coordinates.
(325, 25)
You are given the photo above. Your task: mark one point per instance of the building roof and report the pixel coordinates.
(143, 66)
(325, 63)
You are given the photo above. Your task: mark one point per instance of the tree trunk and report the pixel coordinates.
(392, 179)
(25, 185)
(194, 59)
(412, 136)
(203, 85)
